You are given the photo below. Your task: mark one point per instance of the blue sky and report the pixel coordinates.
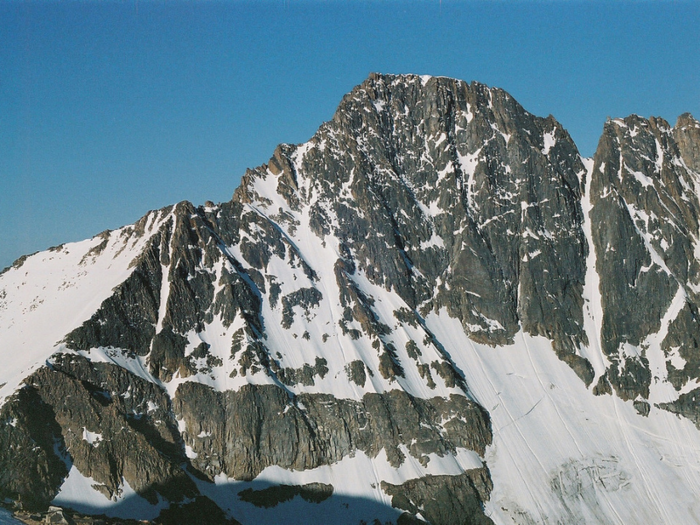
(110, 109)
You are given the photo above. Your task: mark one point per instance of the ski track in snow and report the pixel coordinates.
(573, 432)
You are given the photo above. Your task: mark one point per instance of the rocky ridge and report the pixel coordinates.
(295, 327)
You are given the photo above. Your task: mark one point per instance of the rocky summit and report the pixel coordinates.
(434, 311)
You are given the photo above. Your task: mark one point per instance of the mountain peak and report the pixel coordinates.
(419, 306)
(686, 120)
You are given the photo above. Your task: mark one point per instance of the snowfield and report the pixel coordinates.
(59, 289)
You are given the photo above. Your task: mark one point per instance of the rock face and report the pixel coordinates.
(453, 196)
(645, 202)
(246, 431)
(443, 499)
(301, 334)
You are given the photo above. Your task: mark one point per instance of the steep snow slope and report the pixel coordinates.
(43, 294)
(561, 455)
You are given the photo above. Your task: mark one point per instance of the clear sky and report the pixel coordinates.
(110, 109)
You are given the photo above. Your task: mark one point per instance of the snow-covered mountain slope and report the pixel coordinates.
(43, 293)
(433, 310)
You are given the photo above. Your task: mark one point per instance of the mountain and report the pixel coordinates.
(435, 310)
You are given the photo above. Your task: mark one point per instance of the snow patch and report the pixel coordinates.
(549, 141)
(355, 479)
(78, 492)
(643, 179)
(93, 438)
(660, 390)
